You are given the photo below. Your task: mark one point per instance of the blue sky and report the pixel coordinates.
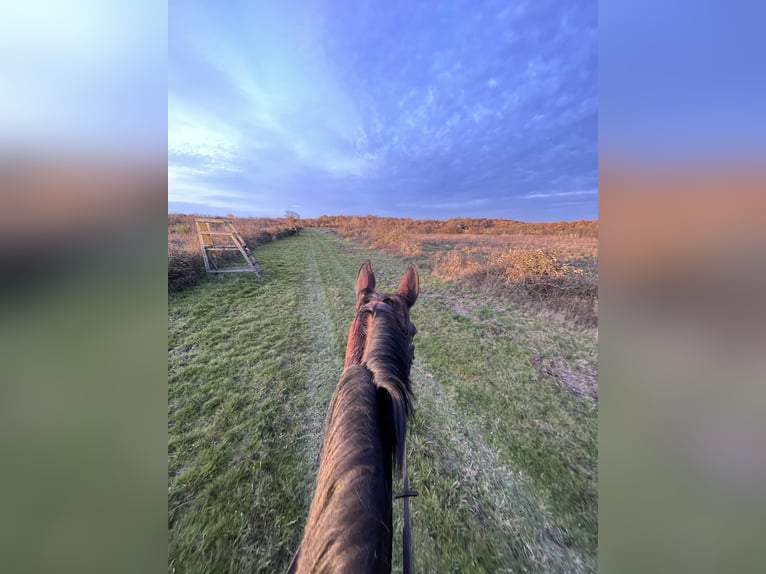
(404, 109)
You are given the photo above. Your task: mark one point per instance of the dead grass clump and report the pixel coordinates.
(260, 230)
(541, 277)
(531, 265)
(393, 241)
(580, 381)
(185, 265)
(455, 264)
(535, 277)
(355, 231)
(563, 247)
(389, 235)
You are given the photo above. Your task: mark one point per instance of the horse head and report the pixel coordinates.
(370, 304)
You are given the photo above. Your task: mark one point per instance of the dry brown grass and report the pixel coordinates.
(390, 236)
(464, 225)
(552, 268)
(538, 277)
(532, 265)
(185, 265)
(564, 247)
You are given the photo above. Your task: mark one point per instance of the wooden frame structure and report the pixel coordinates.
(213, 233)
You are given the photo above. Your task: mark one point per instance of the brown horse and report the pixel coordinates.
(349, 526)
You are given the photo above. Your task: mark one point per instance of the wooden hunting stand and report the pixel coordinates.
(218, 234)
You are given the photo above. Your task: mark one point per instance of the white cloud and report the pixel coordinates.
(479, 112)
(187, 184)
(212, 143)
(455, 204)
(581, 193)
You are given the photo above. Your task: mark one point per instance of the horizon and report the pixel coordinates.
(302, 218)
(406, 111)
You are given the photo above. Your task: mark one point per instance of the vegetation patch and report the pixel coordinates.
(503, 455)
(551, 268)
(185, 264)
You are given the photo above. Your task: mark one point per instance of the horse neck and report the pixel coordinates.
(349, 525)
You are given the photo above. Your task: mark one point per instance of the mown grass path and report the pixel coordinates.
(503, 457)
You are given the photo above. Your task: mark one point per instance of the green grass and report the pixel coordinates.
(504, 459)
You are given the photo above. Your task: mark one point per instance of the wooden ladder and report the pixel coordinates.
(210, 228)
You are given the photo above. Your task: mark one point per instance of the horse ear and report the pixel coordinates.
(409, 285)
(365, 279)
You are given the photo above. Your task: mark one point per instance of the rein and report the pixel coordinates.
(373, 307)
(406, 538)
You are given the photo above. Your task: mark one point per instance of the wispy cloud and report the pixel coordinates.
(200, 140)
(582, 193)
(458, 204)
(367, 110)
(193, 185)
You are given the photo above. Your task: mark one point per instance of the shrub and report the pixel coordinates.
(532, 265)
(185, 267)
(528, 276)
(455, 264)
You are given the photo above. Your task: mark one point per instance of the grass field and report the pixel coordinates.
(503, 448)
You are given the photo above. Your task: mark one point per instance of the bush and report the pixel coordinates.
(526, 275)
(185, 268)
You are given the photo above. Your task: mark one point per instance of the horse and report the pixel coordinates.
(349, 525)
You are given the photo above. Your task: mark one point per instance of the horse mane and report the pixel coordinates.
(388, 359)
(353, 484)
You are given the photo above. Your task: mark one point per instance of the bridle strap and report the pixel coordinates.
(375, 306)
(406, 494)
